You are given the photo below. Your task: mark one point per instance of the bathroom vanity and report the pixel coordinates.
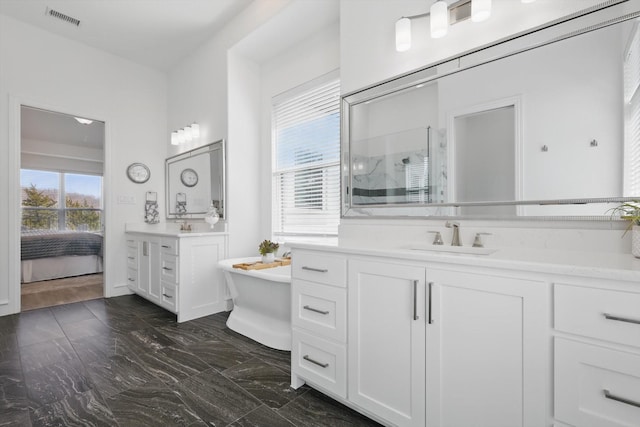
(179, 271)
(514, 338)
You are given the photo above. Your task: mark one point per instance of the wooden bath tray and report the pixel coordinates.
(260, 266)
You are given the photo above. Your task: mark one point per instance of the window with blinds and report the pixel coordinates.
(632, 115)
(306, 162)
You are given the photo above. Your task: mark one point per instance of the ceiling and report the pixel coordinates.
(156, 33)
(58, 128)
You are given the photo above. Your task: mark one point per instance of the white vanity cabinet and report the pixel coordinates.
(597, 353)
(487, 349)
(427, 343)
(178, 272)
(386, 345)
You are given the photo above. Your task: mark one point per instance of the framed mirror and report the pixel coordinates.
(543, 124)
(195, 179)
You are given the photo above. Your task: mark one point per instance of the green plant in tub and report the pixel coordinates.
(267, 247)
(629, 211)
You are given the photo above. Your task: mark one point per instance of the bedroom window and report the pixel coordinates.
(61, 200)
(306, 159)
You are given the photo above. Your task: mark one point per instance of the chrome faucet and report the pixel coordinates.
(455, 239)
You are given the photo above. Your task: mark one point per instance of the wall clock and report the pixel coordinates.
(138, 173)
(189, 177)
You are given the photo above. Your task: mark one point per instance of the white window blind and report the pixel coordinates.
(306, 163)
(632, 115)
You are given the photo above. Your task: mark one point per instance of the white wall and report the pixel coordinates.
(367, 39)
(218, 89)
(47, 71)
(307, 60)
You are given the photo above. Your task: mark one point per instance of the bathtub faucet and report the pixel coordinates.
(286, 254)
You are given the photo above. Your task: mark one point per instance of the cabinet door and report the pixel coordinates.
(488, 353)
(386, 342)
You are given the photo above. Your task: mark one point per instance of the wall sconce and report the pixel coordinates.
(441, 16)
(186, 134)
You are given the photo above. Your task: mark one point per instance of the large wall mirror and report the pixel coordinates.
(544, 124)
(195, 179)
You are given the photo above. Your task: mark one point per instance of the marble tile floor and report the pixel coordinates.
(126, 362)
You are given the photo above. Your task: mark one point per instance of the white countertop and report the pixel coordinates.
(603, 265)
(173, 230)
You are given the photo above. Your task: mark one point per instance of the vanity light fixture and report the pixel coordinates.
(186, 134)
(441, 16)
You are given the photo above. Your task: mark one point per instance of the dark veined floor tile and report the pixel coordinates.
(314, 409)
(152, 404)
(219, 354)
(118, 373)
(82, 409)
(216, 399)
(15, 419)
(171, 364)
(45, 353)
(267, 383)
(85, 328)
(71, 313)
(262, 417)
(56, 382)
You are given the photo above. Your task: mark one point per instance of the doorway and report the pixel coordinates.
(62, 208)
(484, 160)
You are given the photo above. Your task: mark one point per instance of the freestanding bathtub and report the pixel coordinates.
(261, 302)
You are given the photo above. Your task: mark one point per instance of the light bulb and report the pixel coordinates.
(195, 130)
(174, 138)
(403, 34)
(181, 139)
(188, 136)
(480, 10)
(439, 19)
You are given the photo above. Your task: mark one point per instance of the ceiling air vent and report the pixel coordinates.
(63, 17)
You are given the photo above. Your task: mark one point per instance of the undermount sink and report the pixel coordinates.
(455, 249)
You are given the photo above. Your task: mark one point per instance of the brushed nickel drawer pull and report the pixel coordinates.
(131, 257)
(167, 268)
(415, 300)
(430, 319)
(608, 395)
(131, 280)
(168, 296)
(315, 310)
(318, 270)
(315, 362)
(166, 246)
(620, 319)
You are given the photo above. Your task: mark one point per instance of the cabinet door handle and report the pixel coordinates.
(167, 268)
(415, 300)
(620, 319)
(315, 362)
(166, 246)
(430, 319)
(167, 296)
(131, 280)
(318, 270)
(145, 248)
(131, 257)
(608, 395)
(306, 307)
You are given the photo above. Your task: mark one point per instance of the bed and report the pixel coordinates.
(53, 254)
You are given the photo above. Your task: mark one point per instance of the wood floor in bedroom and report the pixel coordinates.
(49, 293)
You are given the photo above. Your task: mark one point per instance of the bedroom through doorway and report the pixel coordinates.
(62, 208)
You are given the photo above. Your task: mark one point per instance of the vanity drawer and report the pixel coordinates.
(596, 386)
(131, 243)
(319, 308)
(320, 362)
(132, 278)
(169, 297)
(169, 268)
(598, 313)
(169, 246)
(319, 267)
(132, 257)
